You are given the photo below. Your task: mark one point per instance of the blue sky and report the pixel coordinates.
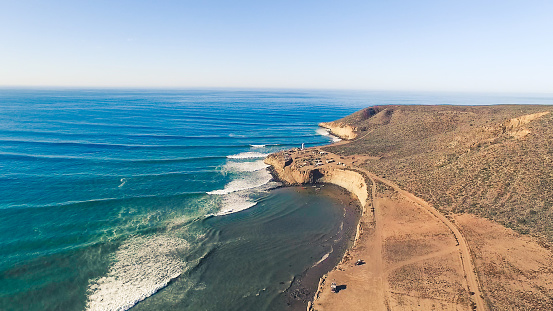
(482, 46)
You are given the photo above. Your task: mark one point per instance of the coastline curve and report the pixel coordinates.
(309, 166)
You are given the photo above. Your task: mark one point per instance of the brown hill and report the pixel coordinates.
(492, 161)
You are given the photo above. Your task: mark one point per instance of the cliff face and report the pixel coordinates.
(341, 130)
(281, 165)
(350, 180)
(292, 168)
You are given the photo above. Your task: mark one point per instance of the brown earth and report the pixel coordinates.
(517, 272)
(417, 258)
(494, 162)
(417, 171)
(411, 263)
(414, 257)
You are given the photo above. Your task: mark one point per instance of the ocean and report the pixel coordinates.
(113, 199)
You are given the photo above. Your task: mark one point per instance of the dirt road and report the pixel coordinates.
(416, 257)
(466, 258)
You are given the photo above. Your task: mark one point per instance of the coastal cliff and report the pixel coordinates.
(296, 167)
(427, 168)
(350, 180)
(341, 130)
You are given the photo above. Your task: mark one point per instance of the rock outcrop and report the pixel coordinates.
(285, 170)
(294, 168)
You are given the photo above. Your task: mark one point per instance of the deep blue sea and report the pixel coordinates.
(160, 200)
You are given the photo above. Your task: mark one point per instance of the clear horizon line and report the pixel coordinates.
(257, 88)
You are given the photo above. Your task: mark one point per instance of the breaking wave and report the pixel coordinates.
(248, 155)
(249, 181)
(143, 266)
(235, 202)
(326, 132)
(242, 200)
(245, 166)
(323, 131)
(249, 177)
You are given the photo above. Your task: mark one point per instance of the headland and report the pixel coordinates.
(412, 252)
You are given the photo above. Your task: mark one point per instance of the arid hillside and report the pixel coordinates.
(492, 161)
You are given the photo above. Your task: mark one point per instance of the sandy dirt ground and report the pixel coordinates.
(412, 262)
(415, 258)
(515, 270)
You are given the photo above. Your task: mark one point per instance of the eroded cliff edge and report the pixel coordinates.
(296, 167)
(341, 130)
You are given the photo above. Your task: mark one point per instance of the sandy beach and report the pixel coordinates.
(304, 287)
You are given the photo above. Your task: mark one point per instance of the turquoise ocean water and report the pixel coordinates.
(159, 199)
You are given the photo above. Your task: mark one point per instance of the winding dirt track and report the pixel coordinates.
(466, 258)
(373, 277)
(378, 265)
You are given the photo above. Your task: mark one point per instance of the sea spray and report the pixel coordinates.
(250, 181)
(326, 132)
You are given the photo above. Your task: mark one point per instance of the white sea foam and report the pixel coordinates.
(235, 202)
(250, 178)
(325, 256)
(241, 200)
(254, 180)
(326, 132)
(323, 131)
(245, 166)
(248, 155)
(142, 266)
